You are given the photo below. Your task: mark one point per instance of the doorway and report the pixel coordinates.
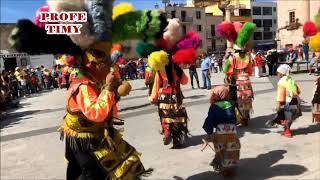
(10, 64)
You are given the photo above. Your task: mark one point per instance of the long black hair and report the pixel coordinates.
(169, 70)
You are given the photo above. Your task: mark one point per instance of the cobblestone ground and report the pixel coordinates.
(31, 149)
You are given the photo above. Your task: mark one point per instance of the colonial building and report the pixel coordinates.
(264, 15)
(291, 17)
(240, 10)
(196, 19)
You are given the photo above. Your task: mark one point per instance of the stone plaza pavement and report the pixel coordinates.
(31, 149)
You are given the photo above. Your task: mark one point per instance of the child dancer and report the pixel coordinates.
(222, 118)
(287, 100)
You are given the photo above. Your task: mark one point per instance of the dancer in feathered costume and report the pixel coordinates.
(238, 67)
(165, 55)
(94, 147)
(288, 102)
(220, 126)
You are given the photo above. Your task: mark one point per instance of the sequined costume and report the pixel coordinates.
(238, 69)
(172, 113)
(220, 126)
(94, 147)
(288, 98)
(89, 131)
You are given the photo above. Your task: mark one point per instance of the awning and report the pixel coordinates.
(12, 55)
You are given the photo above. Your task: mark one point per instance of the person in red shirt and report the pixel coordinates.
(259, 60)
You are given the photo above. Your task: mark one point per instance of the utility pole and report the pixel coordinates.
(228, 10)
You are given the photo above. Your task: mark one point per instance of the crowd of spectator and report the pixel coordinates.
(265, 63)
(133, 69)
(23, 82)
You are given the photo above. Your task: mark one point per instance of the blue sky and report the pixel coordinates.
(12, 10)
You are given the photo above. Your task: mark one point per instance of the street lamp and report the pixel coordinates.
(156, 6)
(165, 2)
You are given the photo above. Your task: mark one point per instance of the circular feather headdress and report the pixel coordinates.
(312, 29)
(236, 32)
(106, 25)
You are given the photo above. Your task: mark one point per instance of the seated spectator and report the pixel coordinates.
(314, 62)
(292, 57)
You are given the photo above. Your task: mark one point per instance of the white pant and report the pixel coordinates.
(258, 71)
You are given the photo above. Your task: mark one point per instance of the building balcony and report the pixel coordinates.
(293, 26)
(241, 18)
(186, 19)
(205, 3)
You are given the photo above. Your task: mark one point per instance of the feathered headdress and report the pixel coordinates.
(237, 26)
(120, 9)
(317, 20)
(185, 56)
(116, 47)
(190, 40)
(88, 35)
(245, 34)
(105, 26)
(171, 34)
(29, 38)
(37, 17)
(314, 43)
(236, 32)
(227, 30)
(310, 28)
(145, 25)
(158, 60)
(313, 30)
(144, 49)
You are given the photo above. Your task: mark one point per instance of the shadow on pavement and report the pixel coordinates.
(307, 130)
(195, 97)
(262, 167)
(140, 89)
(256, 125)
(14, 117)
(258, 168)
(134, 97)
(305, 108)
(208, 175)
(9, 123)
(194, 140)
(135, 107)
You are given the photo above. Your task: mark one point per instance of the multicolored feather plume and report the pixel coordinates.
(245, 34)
